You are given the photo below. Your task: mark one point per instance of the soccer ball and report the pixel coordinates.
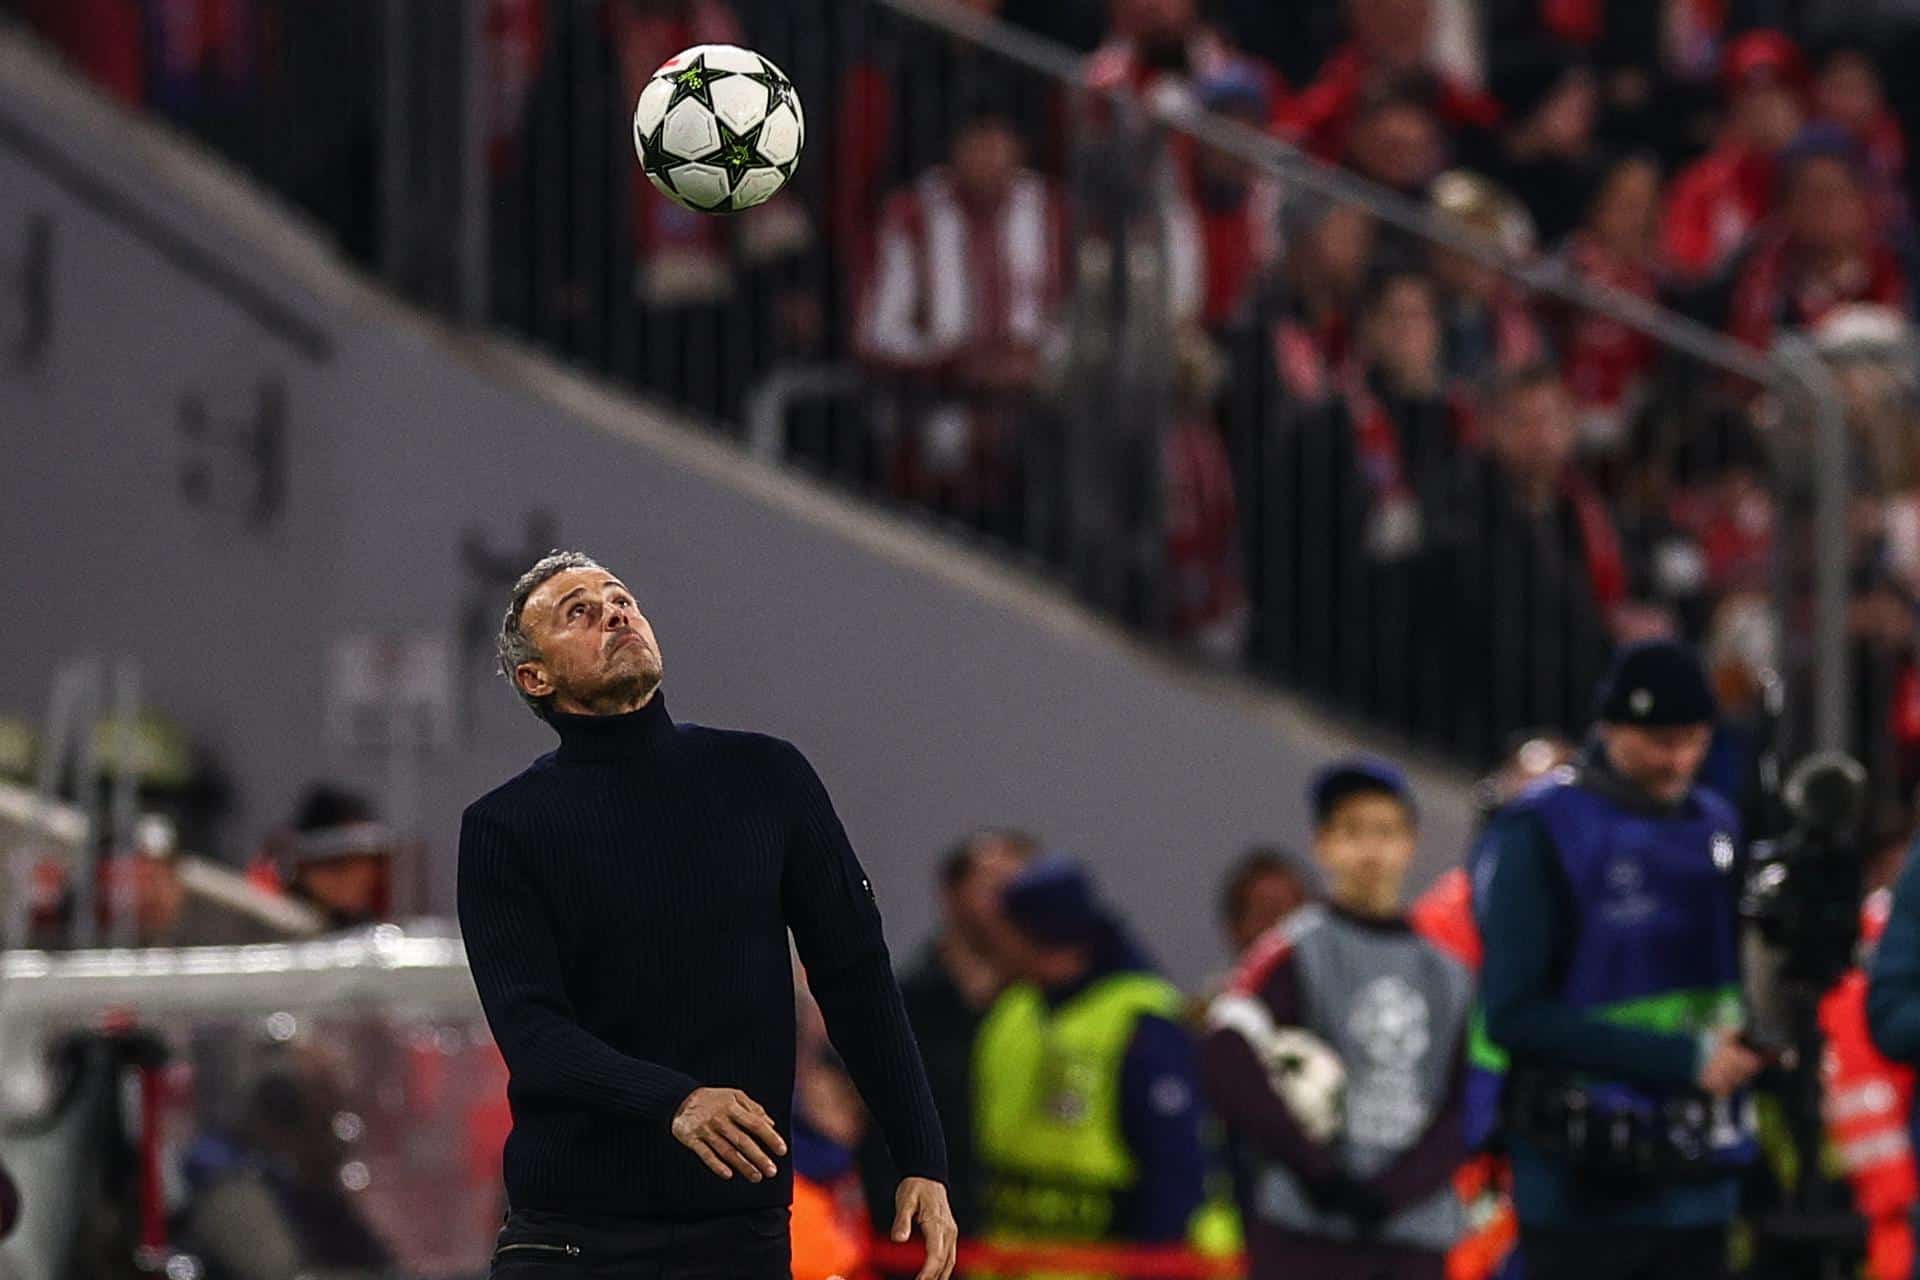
(719, 129)
(1310, 1078)
(1302, 1069)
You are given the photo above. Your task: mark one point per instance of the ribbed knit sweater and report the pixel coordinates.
(625, 903)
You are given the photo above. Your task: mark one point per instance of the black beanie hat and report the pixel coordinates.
(1656, 684)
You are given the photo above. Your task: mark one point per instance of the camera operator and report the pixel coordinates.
(1610, 919)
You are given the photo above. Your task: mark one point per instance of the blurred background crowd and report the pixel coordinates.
(1051, 298)
(1269, 425)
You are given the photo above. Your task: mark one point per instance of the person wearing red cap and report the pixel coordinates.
(1716, 201)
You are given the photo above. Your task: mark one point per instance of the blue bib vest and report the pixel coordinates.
(1655, 897)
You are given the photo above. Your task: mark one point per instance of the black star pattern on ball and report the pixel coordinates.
(653, 155)
(779, 88)
(695, 80)
(738, 152)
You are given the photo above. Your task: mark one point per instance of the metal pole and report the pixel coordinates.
(474, 196)
(53, 755)
(122, 887)
(395, 146)
(84, 716)
(1805, 377)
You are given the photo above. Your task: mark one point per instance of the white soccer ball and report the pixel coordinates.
(719, 129)
(1310, 1078)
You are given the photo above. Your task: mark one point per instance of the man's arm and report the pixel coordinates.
(1430, 1163)
(1522, 913)
(836, 927)
(1893, 986)
(1160, 1117)
(516, 967)
(1263, 995)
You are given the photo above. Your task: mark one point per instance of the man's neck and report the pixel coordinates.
(616, 703)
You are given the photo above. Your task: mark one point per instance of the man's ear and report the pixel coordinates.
(533, 679)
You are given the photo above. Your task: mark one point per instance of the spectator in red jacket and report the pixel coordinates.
(964, 286)
(1615, 247)
(1848, 91)
(1822, 252)
(1716, 201)
(1238, 206)
(1389, 38)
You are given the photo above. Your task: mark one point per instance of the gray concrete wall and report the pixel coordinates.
(933, 691)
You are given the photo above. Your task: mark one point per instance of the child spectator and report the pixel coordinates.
(1375, 1197)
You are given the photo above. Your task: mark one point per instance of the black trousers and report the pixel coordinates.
(535, 1245)
(1625, 1253)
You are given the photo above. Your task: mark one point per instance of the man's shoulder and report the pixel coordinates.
(761, 753)
(510, 798)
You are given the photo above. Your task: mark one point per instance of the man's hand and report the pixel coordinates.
(726, 1129)
(924, 1201)
(1730, 1064)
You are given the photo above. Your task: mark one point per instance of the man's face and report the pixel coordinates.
(1365, 847)
(598, 655)
(347, 888)
(1340, 247)
(1155, 20)
(1627, 210)
(1848, 92)
(1403, 330)
(1270, 899)
(973, 904)
(1660, 761)
(1393, 31)
(1766, 114)
(1534, 434)
(1826, 208)
(1398, 144)
(986, 155)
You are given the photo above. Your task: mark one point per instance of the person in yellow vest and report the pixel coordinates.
(1087, 1124)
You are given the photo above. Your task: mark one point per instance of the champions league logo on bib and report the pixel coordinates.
(1392, 1026)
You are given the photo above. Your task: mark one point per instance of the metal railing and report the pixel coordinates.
(1060, 393)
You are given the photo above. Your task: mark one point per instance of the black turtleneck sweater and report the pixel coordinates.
(625, 903)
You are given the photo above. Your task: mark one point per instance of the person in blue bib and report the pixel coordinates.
(1608, 901)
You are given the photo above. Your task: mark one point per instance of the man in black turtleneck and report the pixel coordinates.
(626, 901)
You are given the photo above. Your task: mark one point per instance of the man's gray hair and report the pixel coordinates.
(514, 645)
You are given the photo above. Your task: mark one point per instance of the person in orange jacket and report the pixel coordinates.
(1868, 1100)
(1444, 916)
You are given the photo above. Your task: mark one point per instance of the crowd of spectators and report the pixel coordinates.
(1260, 422)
